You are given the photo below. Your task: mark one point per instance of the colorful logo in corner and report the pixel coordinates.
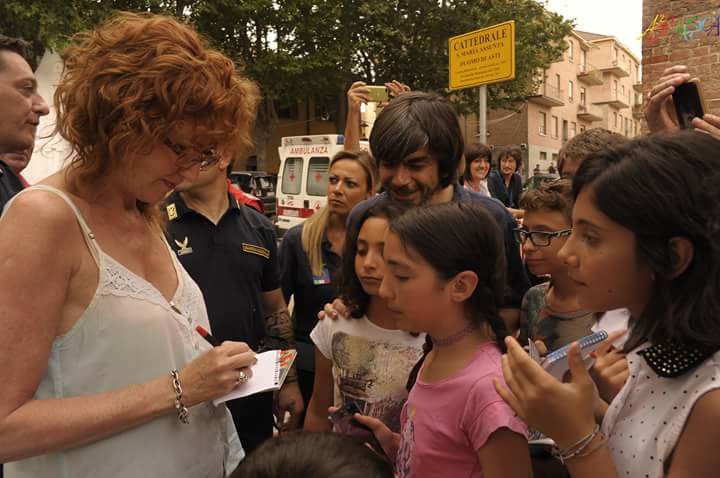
(684, 28)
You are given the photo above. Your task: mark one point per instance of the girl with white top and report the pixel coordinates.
(363, 358)
(645, 225)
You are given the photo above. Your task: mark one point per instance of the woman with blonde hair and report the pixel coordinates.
(310, 253)
(103, 372)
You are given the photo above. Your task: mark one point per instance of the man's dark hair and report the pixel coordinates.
(303, 454)
(16, 45)
(588, 142)
(415, 120)
(513, 152)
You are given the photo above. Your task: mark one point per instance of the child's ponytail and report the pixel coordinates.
(412, 378)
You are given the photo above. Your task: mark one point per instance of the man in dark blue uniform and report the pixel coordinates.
(230, 250)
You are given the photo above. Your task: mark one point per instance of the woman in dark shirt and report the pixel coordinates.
(505, 184)
(310, 253)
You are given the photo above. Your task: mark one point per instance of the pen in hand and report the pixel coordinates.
(206, 335)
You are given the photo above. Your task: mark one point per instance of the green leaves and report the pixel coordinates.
(296, 49)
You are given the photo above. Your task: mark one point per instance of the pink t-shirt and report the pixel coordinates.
(445, 423)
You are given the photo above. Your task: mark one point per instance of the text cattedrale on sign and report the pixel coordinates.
(482, 56)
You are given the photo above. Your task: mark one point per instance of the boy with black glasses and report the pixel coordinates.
(549, 311)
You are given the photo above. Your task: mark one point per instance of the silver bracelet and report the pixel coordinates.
(182, 411)
(577, 448)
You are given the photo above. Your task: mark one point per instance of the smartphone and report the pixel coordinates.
(343, 422)
(688, 102)
(378, 94)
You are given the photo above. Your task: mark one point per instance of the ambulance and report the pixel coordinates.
(303, 176)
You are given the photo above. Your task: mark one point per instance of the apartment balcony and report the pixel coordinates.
(589, 113)
(614, 100)
(548, 95)
(637, 111)
(638, 87)
(617, 68)
(589, 75)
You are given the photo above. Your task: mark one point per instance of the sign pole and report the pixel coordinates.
(482, 114)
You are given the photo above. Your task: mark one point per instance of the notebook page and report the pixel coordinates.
(265, 377)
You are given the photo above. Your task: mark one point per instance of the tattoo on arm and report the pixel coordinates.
(279, 328)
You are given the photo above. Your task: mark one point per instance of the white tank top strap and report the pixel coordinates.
(87, 232)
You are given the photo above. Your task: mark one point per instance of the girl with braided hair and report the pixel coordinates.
(445, 275)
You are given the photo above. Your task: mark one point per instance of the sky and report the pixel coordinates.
(619, 18)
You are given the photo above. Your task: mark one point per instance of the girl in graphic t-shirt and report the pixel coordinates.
(363, 358)
(445, 276)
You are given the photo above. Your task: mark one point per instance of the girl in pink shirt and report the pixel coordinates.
(445, 275)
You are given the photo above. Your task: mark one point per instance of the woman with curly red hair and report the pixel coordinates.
(103, 373)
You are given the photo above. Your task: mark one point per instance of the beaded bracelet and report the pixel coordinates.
(182, 411)
(577, 448)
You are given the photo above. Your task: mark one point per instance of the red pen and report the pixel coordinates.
(206, 335)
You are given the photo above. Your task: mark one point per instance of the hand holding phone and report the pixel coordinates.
(688, 102)
(344, 422)
(378, 94)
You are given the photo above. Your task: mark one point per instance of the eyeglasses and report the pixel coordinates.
(539, 238)
(189, 157)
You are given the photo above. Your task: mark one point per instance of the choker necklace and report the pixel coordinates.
(454, 338)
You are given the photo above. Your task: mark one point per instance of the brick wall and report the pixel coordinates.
(685, 32)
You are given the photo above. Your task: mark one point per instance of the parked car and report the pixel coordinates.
(258, 184)
(244, 198)
(536, 180)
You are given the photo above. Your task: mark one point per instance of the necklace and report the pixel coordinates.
(454, 338)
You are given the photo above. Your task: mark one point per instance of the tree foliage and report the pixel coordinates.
(300, 48)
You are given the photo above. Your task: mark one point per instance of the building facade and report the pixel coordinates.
(596, 83)
(683, 32)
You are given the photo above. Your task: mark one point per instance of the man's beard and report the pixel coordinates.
(426, 193)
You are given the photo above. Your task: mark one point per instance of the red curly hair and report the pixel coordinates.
(135, 78)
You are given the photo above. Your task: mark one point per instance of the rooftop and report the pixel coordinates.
(587, 36)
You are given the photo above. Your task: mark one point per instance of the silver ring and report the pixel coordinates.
(242, 377)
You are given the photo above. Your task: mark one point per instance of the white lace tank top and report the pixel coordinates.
(130, 334)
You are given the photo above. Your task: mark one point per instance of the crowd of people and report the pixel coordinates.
(422, 292)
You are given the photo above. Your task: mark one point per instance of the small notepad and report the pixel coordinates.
(268, 374)
(556, 362)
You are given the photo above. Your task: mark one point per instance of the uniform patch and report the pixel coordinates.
(171, 211)
(184, 247)
(257, 250)
(322, 279)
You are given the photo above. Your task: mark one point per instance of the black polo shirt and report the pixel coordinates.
(233, 263)
(310, 292)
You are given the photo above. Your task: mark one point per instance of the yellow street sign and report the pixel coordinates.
(483, 56)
